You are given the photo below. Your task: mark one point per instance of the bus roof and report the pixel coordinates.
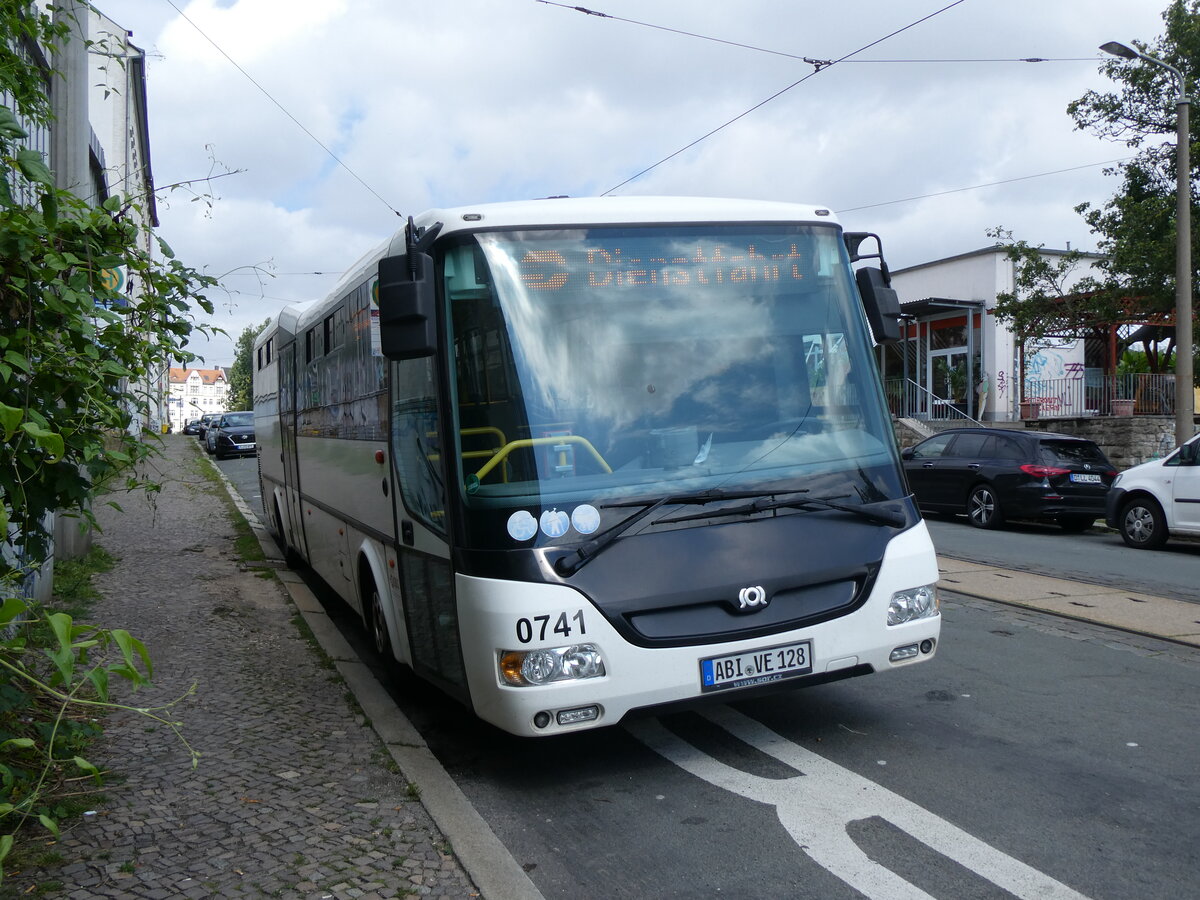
(567, 211)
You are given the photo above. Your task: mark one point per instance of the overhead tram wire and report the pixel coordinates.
(976, 187)
(283, 109)
(818, 67)
(716, 40)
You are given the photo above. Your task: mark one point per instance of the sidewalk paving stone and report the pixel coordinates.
(295, 796)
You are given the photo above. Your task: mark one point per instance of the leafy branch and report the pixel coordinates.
(68, 666)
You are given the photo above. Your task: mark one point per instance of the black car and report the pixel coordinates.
(206, 420)
(192, 427)
(993, 474)
(232, 435)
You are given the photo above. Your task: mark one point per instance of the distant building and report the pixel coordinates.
(194, 392)
(956, 354)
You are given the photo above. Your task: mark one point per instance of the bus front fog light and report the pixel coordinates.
(908, 651)
(575, 716)
(915, 603)
(547, 665)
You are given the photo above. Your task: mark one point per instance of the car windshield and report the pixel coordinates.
(237, 420)
(617, 363)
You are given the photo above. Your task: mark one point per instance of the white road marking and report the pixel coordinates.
(816, 807)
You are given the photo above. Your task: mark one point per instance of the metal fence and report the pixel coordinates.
(1103, 395)
(1092, 394)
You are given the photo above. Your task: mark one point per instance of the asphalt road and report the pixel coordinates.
(1097, 556)
(1032, 757)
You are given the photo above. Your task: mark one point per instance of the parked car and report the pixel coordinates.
(231, 435)
(1160, 498)
(994, 474)
(205, 420)
(192, 426)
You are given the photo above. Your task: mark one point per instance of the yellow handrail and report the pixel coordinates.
(541, 442)
(486, 429)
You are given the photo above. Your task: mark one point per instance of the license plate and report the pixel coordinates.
(719, 673)
(244, 446)
(1080, 478)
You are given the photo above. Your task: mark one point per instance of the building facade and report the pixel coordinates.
(194, 392)
(956, 358)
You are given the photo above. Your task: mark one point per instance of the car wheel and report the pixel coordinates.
(1076, 524)
(380, 639)
(983, 509)
(1143, 525)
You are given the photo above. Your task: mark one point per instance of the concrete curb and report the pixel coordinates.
(483, 856)
(1165, 619)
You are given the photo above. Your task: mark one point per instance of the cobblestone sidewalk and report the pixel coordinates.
(294, 796)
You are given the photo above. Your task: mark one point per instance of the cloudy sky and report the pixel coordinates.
(325, 118)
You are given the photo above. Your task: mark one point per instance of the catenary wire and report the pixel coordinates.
(282, 108)
(987, 184)
(797, 56)
(817, 69)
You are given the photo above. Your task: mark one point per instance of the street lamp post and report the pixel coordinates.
(1185, 400)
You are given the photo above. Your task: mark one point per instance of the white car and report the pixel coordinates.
(1150, 502)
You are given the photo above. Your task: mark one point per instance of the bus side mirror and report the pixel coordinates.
(881, 304)
(407, 307)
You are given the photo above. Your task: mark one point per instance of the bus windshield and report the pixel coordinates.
(602, 365)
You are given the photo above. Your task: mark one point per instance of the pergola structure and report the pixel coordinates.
(1080, 319)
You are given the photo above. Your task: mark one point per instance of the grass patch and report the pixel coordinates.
(245, 542)
(74, 592)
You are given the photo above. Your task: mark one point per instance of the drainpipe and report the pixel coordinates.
(69, 137)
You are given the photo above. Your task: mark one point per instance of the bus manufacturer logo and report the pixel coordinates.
(752, 598)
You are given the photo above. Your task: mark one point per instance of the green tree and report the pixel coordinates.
(72, 350)
(1040, 304)
(241, 373)
(1136, 228)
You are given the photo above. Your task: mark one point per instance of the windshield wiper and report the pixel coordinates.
(764, 503)
(572, 562)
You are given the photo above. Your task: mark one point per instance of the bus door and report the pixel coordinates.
(423, 547)
(293, 524)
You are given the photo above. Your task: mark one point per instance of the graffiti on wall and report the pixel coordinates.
(1054, 378)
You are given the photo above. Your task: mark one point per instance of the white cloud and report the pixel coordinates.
(468, 101)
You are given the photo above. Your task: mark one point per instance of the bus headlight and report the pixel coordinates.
(915, 603)
(546, 665)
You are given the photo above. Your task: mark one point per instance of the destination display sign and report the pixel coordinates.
(615, 266)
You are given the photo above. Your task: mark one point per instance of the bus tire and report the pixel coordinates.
(290, 556)
(377, 627)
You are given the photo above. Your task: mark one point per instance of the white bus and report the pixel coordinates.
(572, 458)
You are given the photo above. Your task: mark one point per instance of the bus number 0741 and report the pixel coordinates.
(538, 626)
